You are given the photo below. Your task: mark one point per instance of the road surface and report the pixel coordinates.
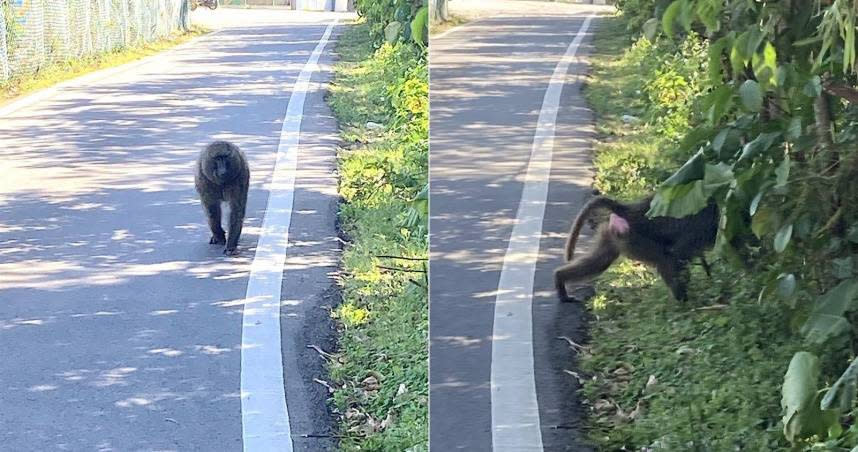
(121, 326)
(494, 386)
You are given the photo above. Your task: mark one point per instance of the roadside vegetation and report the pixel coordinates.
(751, 104)
(59, 72)
(381, 100)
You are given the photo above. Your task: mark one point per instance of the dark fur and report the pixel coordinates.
(666, 243)
(223, 175)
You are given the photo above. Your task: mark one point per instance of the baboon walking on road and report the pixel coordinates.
(223, 175)
(666, 243)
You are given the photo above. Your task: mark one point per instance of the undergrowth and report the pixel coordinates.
(703, 376)
(380, 98)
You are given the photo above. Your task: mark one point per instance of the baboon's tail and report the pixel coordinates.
(598, 202)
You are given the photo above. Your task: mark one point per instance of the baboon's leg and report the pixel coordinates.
(585, 267)
(213, 214)
(705, 266)
(236, 220)
(671, 268)
(674, 274)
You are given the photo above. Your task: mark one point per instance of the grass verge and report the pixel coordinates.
(453, 21)
(705, 376)
(381, 371)
(60, 72)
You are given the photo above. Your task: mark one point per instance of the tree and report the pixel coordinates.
(439, 11)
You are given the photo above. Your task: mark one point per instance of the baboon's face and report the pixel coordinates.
(222, 167)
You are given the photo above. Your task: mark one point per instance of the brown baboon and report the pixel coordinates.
(223, 176)
(666, 243)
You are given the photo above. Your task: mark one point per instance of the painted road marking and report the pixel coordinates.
(264, 414)
(515, 410)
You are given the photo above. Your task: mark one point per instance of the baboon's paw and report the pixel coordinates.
(231, 251)
(217, 240)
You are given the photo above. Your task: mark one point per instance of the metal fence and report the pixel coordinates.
(35, 33)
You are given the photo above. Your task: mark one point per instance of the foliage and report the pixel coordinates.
(659, 375)
(776, 148)
(394, 20)
(379, 97)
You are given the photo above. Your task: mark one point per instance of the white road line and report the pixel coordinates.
(515, 410)
(264, 415)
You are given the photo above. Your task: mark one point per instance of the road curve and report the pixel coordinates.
(488, 83)
(122, 327)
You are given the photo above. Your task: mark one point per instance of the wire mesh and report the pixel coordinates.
(36, 33)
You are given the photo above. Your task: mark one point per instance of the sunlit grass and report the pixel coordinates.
(381, 372)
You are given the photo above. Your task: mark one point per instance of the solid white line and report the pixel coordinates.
(515, 409)
(264, 415)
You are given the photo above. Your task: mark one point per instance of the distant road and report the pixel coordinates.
(489, 81)
(122, 326)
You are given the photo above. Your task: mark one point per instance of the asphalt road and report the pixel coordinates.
(121, 325)
(488, 81)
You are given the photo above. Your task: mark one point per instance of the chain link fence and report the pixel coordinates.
(35, 33)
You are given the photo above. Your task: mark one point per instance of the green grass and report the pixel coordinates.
(704, 376)
(453, 21)
(381, 372)
(59, 72)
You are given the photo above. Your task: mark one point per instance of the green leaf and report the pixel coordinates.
(797, 393)
(818, 328)
(670, 15)
(708, 13)
(716, 50)
(837, 300)
(686, 15)
(765, 65)
(650, 28)
(391, 32)
(764, 221)
(786, 285)
(716, 177)
(693, 169)
(842, 268)
(718, 102)
(737, 57)
(755, 37)
(763, 142)
(418, 26)
(751, 95)
(782, 237)
(813, 87)
(842, 393)
(782, 172)
(755, 203)
(718, 141)
(678, 201)
(803, 417)
(794, 129)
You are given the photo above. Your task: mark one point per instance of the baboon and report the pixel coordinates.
(223, 175)
(666, 243)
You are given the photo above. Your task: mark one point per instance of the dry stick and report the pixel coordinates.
(321, 352)
(409, 270)
(840, 90)
(404, 258)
